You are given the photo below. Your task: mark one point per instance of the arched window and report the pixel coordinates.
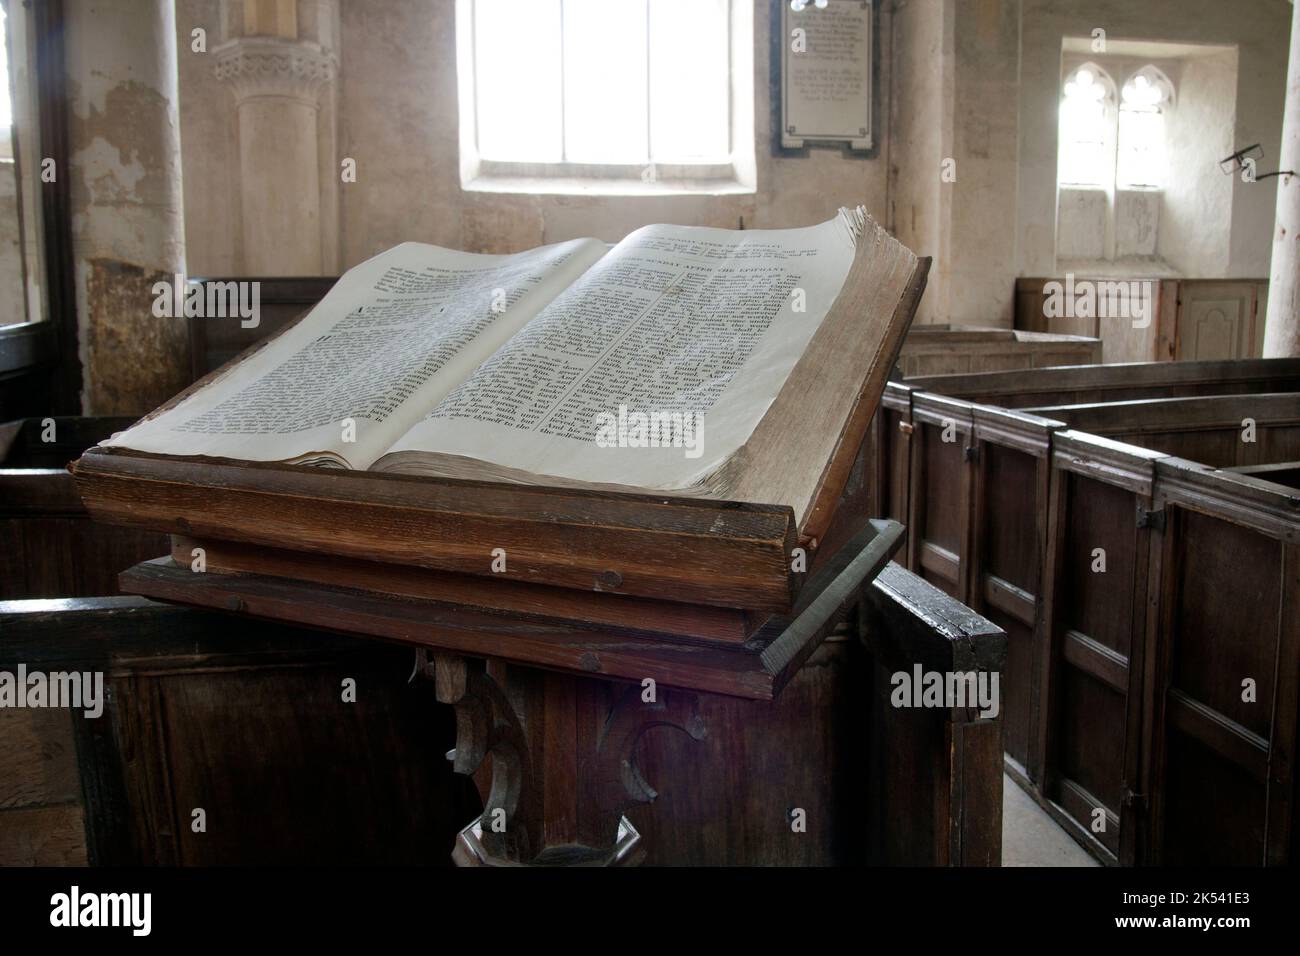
(1143, 101)
(1086, 134)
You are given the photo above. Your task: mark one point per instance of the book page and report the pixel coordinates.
(392, 337)
(651, 369)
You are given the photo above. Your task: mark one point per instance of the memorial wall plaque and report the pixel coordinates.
(826, 74)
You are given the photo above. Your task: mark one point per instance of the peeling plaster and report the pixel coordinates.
(106, 177)
(127, 152)
(126, 202)
(140, 360)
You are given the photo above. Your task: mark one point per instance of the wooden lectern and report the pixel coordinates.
(599, 614)
(548, 713)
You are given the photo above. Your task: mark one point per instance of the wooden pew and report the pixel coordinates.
(1280, 473)
(258, 736)
(1113, 383)
(1190, 318)
(939, 504)
(951, 349)
(976, 509)
(888, 454)
(1142, 718)
(1008, 548)
(1227, 612)
(49, 547)
(1086, 750)
(1211, 429)
(1011, 516)
(936, 798)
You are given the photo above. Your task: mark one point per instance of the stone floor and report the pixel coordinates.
(1031, 838)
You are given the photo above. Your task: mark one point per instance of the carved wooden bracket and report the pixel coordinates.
(562, 771)
(486, 724)
(621, 785)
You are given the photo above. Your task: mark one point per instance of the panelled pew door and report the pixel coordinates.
(966, 462)
(939, 499)
(892, 437)
(1226, 676)
(1009, 510)
(1092, 690)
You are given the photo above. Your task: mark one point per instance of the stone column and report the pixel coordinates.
(277, 82)
(1282, 324)
(125, 188)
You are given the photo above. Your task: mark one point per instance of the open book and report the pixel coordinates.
(690, 361)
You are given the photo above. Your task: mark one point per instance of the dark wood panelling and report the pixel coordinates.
(942, 483)
(1225, 619)
(49, 547)
(1017, 680)
(248, 723)
(1132, 689)
(329, 761)
(1214, 812)
(1228, 616)
(728, 798)
(1099, 604)
(944, 470)
(1008, 565)
(1090, 738)
(1210, 429)
(1011, 541)
(67, 557)
(1116, 383)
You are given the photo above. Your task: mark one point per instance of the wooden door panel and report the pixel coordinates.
(1099, 604)
(1225, 619)
(1214, 813)
(1093, 688)
(1216, 320)
(1220, 650)
(1010, 557)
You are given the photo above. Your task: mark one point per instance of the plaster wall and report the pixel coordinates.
(1197, 224)
(397, 117)
(1259, 29)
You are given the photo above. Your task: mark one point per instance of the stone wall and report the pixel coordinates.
(970, 83)
(397, 118)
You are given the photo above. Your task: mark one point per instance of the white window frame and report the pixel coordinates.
(1109, 67)
(1157, 78)
(738, 174)
(1110, 117)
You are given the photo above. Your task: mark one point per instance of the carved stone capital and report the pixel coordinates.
(271, 66)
